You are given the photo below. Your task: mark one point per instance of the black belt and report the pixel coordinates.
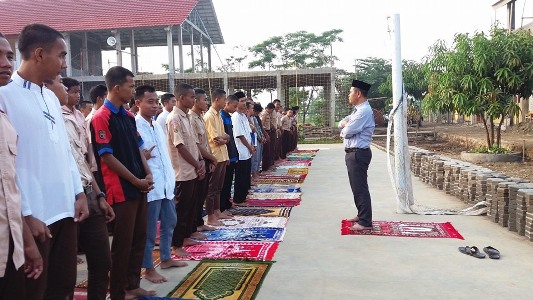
(348, 150)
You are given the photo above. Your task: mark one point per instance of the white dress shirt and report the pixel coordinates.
(241, 127)
(47, 175)
(160, 165)
(162, 120)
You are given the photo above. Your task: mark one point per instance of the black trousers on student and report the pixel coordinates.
(186, 210)
(202, 189)
(357, 163)
(127, 248)
(225, 194)
(243, 180)
(59, 264)
(268, 151)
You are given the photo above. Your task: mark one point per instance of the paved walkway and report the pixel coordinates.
(315, 262)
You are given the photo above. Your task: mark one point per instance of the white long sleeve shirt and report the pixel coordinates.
(160, 165)
(47, 175)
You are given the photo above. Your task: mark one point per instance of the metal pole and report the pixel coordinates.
(171, 68)
(401, 151)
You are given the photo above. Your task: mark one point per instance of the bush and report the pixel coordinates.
(494, 150)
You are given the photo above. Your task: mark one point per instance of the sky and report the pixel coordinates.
(365, 26)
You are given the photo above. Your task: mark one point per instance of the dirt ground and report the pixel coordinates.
(452, 139)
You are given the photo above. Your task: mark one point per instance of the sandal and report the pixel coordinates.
(492, 252)
(472, 251)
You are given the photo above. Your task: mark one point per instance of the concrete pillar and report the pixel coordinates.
(180, 47)
(118, 47)
(226, 84)
(332, 100)
(279, 89)
(69, 54)
(171, 67)
(192, 50)
(134, 60)
(209, 56)
(85, 56)
(201, 52)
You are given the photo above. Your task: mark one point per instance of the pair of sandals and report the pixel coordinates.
(493, 253)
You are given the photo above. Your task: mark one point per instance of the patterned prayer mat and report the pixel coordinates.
(254, 221)
(272, 202)
(276, 188)
(157, 261)
(298, 171)
(280, 180)
(223, 279)
(245, 234)
(405, 229)
(274, 196)
(225, 250)
(261, 211)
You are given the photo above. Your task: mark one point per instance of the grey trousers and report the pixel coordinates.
(357, 164)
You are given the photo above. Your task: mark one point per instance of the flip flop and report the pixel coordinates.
(472, 251)
(492, 252)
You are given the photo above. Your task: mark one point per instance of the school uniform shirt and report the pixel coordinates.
(357, 133)
(114, 131)
(241, 127)
(215, 127)
(181, 132)
(48, 176)
(91, 158)
(78, 142)
(160, 165)
(10, 218)
(162, 120)
(286, 123)
(198, 124)
(266, 119)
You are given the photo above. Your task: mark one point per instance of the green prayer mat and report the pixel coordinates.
(223, 279)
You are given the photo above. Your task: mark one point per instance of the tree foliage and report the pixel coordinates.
(299, 49)
(481, 75)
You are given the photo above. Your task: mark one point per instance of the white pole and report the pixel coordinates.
(401, 151)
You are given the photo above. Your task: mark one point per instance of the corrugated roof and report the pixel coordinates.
(84, 15)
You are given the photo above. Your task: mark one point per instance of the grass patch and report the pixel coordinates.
(491, 150)
(320, 141)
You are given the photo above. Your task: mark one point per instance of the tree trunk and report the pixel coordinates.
(487, 134)
(499, 132)
(491, 122)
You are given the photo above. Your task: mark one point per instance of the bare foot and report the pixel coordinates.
(356, 219)
(206, 227)
(172, 264)
(198, 236)
(215, 223)
(152, 276)
(180, 252)
(227, 213)
(139, 292)
(359, 227)
(190, 242)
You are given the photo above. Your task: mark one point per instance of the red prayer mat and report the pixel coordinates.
(405, 229)
(272, 202)
(231, 249)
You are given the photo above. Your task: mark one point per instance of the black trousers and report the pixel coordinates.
(225, 194)
(357, 164)
(202, 188)
(243, 173)
(93, 238)
(186, 210)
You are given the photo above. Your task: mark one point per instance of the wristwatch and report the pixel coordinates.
(101, 195)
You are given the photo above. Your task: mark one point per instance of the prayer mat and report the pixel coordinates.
(250, 250)
(261, 211)
(297, 171)
(272, 202)
(157, 261)
(274, 189)
(223, 280)
(245, 234)
(405, 229)
(303, 163)
(254, 221)
(280, 180)
(266, 196)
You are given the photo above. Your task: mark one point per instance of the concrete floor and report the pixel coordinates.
(316, 262)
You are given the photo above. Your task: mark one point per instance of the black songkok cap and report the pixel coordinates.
(239, 95)
(361, 85)
(295, 108)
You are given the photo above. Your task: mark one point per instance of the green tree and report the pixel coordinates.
(482, 75)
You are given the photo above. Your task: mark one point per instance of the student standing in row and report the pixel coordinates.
(127, 179)
(243, 140)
